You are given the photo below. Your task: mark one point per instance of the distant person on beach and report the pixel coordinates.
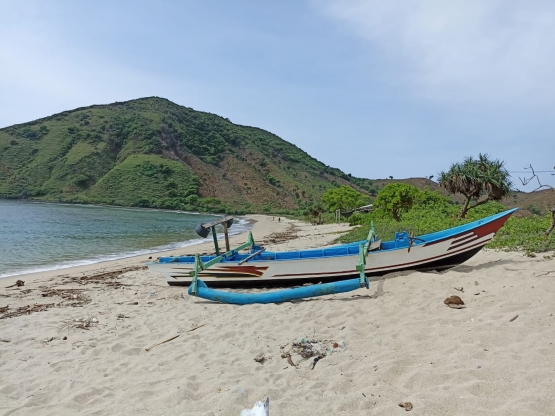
(279, 219)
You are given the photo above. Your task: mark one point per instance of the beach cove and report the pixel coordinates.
(399, 341)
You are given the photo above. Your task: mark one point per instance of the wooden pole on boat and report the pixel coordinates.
(226, 236)
(226, 221)
(215, 240)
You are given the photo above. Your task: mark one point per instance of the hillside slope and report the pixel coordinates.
(151, 152)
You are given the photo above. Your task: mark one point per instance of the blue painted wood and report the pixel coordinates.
(350, 249)
(279, 296)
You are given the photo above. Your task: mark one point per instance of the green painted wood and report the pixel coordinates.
(200, 266)
(363, 254)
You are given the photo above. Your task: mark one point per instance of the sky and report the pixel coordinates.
(375, 88)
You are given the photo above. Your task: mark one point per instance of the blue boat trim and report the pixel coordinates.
(402, 240)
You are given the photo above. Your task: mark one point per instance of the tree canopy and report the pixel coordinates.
(344, 198)
(396, 198)
(477, 178)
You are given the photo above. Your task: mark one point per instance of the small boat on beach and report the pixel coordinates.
(371, 257)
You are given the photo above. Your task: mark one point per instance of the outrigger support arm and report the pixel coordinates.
(363, 253)
(200, 266)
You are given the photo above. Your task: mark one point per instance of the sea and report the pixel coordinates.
(39, 236)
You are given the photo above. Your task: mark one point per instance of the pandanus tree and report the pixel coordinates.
(478, 180)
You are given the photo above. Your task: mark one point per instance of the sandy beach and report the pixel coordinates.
(397, 342)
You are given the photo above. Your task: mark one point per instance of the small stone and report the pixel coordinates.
(406, 405)
(454, 302)
(260, 358)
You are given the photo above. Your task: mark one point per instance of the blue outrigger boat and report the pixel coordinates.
(335, 269)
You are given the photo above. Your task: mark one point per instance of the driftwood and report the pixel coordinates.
(18, 283)
(196, 327)
(162, 342)
(172, 338)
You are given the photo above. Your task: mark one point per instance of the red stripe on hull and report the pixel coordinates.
(482, 230)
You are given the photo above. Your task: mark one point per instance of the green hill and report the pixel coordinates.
(151, 152)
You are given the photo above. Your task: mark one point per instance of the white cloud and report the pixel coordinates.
(461, 50)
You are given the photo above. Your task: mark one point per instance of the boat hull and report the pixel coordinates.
(436, 251)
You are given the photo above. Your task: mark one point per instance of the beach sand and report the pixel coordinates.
(402, 343)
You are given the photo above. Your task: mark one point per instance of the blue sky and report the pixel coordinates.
(375, 88)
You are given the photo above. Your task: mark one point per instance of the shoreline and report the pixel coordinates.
(122, 254)
(262, 227)
(91, 263)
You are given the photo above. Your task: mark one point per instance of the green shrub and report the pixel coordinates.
(396, 199)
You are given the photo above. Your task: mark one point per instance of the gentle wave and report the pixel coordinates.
(240, 225)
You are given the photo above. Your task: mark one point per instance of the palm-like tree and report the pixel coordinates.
(476, 178)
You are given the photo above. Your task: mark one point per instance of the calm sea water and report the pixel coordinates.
(43, 236)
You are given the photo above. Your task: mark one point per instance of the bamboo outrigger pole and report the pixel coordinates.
(203, 231)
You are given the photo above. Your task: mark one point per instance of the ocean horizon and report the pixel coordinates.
(43, 236)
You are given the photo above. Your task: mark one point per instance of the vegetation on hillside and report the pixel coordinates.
(151, 152)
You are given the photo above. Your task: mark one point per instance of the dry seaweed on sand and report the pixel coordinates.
(26, 310)
(72, 297)
(106, 278)
(316, 349)
(289, 359)
(280, 237)
(81, 323)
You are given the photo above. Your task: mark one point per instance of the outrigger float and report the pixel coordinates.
(335, 269)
